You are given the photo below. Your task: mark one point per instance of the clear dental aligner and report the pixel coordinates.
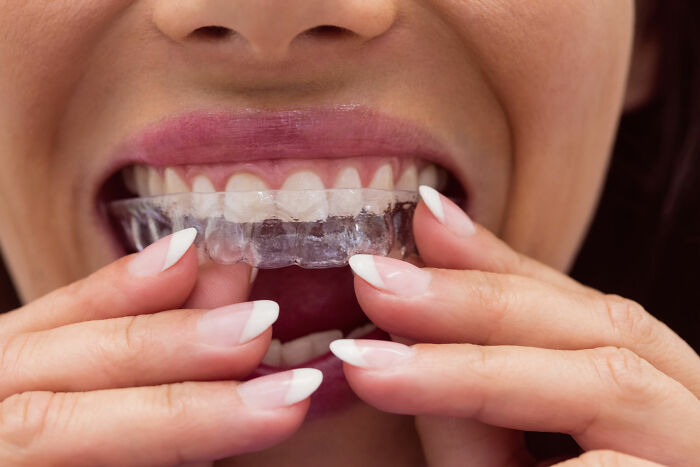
(274, 229)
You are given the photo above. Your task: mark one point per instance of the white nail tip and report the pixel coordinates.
(347, 351)
(431, 197)
(305, 381)
(363, 266)
(180, 242)
(264, 314)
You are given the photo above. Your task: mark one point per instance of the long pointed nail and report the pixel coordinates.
(371, 354)
(280, 389)
(391, 275)
(237, 324)
(447, 213)
(163, 254)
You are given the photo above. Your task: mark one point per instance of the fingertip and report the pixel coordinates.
(163, 254)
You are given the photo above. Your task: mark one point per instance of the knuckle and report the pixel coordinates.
(174, 398)
(631, 378)
(24, 418)
(130, 336)
(493, 293)
(14, 350)
(121, 347)
(629, 320)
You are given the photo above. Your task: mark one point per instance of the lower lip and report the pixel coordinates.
(335, 394)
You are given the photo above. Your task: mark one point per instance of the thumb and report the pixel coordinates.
(449, 441)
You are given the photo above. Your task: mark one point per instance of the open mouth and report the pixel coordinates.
(317, 305)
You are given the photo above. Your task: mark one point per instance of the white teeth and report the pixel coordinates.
(173, 183)
(297, 351)
(300, 205)
(361, 331)
(346, 203)
(155, 182)
(322, 340)
(301, 197)
(245, 182)
(201, 184)
(141, 180)
(273, 357)
(349, 177)
(300, 350)
(429, 176)
(408, 180)
(383, 178)
(204, 206)
(247, 207)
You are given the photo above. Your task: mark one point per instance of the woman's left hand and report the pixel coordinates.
(514, 344)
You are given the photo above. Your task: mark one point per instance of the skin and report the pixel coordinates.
(498, 82)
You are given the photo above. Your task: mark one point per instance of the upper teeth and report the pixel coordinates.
(289, 201)
(306, 348)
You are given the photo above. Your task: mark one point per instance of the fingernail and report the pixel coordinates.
(163, 254)
(237, 324)
(391, 275)
(447, 213)
(371, 354)
(280, 389)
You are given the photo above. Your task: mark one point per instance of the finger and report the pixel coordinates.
(607, 459)
(604, 397)
(159, 278)
(162, 425)
(218, 285)
(448, 441)
(447, 239)
(143, 350)
(429, 305)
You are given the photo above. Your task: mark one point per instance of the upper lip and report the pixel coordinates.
(337, 132)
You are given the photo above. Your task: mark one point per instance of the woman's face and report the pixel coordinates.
(521, 98)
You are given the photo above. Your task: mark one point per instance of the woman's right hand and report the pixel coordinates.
(99, 373)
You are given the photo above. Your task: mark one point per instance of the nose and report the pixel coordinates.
(270, 26)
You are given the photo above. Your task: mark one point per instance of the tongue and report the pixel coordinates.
(310, 300)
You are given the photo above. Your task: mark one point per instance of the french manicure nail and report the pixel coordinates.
(391, 275)
(447, 213)
(237, 324)
(162, 254)
(280, 389)
(371, 354)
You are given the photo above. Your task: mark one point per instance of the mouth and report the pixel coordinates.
(297, 154)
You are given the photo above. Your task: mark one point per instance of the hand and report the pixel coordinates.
(514, 344)
(98, 374)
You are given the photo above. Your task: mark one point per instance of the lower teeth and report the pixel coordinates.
(377, 222)
(306, 348)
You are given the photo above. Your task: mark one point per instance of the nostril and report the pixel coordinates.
(211, 33)
(327, 31)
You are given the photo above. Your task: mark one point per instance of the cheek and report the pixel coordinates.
(47, 44)
(559, 69)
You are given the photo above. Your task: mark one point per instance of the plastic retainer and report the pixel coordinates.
(274, 229)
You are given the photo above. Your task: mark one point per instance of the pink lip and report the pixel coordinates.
(338, 132)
